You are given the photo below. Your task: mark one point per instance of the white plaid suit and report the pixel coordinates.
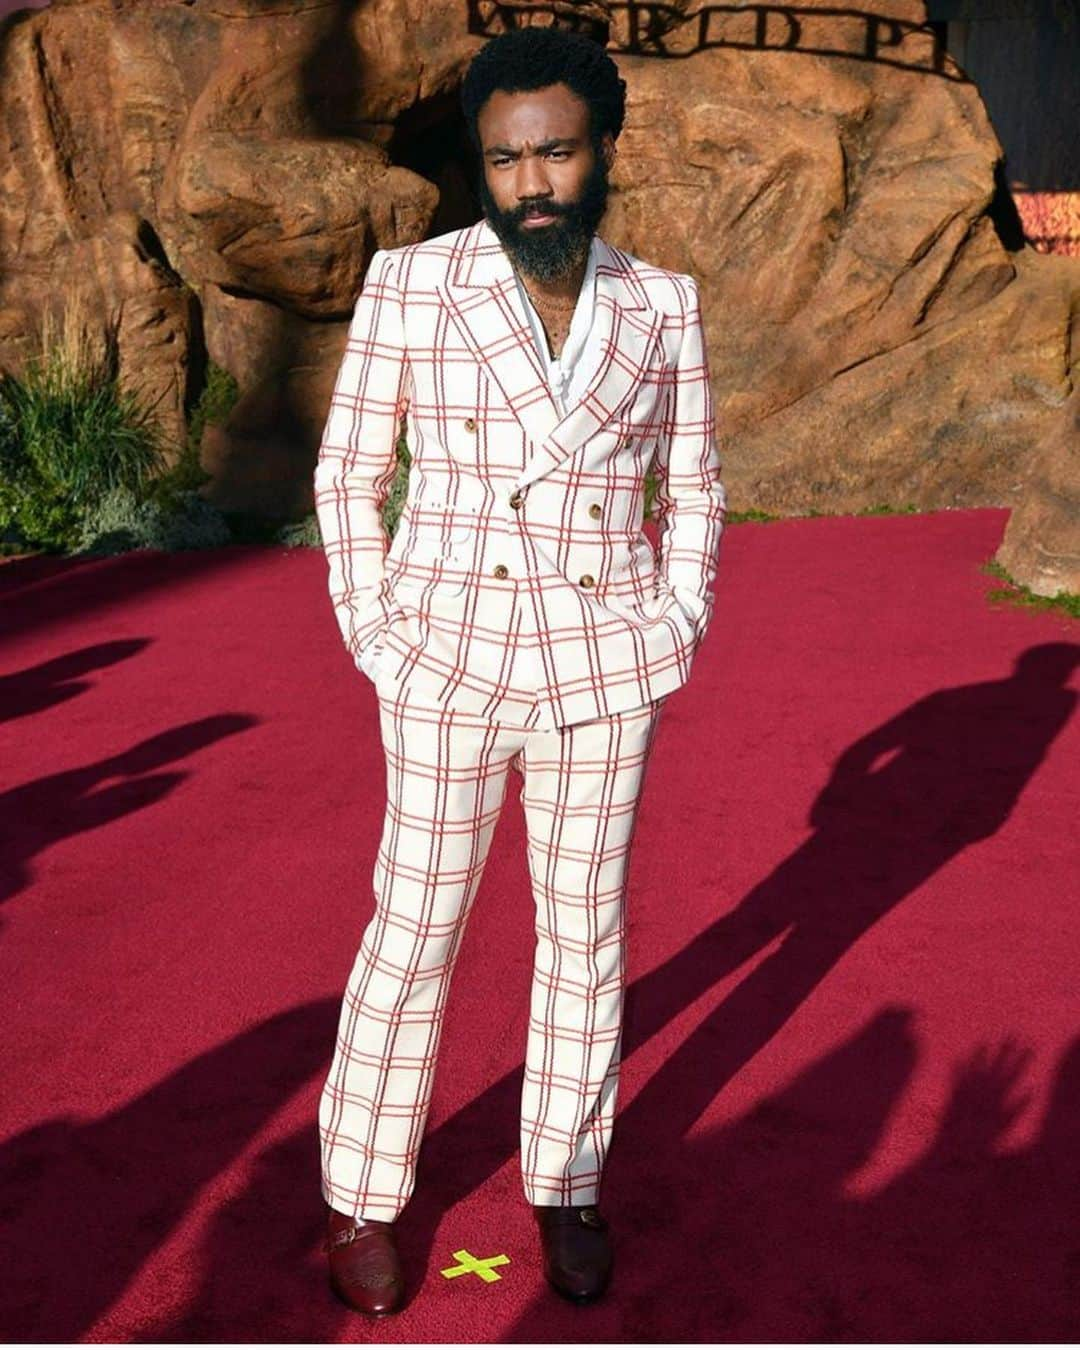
(519, 584)
(519, 618)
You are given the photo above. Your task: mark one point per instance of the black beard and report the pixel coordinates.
(551, 253)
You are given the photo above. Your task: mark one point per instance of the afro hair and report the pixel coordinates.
(533, 58)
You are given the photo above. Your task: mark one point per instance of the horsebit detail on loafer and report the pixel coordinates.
(591, 1219)
(344, 1237)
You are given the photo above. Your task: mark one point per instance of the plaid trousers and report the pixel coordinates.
(446, 776)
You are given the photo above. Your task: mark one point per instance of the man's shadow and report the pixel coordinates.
(87, 1200)
(36, 815)
(749, 1232)
(35, 689)
(753, 1231)
(900, 803)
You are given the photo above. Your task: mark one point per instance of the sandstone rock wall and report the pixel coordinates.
(221, 173)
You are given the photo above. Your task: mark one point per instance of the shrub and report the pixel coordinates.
(121, 521)
(71, 433)
(216, 400)
(301, 533)
(399, 488)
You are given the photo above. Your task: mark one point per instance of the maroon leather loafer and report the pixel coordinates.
(365, 1269)
(577, 1250)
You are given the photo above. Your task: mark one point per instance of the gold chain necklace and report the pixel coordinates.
(558, 306)
(556, 316)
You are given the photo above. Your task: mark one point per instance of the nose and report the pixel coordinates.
(532, 182)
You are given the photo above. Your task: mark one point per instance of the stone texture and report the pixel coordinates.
(871, 341)
(223, 171)
(156, 155)
(285, 367)
(1041, 547)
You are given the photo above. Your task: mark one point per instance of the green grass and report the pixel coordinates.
(882, 510)
(1012, 592)
(71, 433)
(748, 517)
(754, 516)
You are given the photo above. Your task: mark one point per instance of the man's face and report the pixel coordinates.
(544, 190)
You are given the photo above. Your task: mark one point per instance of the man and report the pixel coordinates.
(519, 619)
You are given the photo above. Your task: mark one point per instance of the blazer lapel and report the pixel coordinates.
(481, 295)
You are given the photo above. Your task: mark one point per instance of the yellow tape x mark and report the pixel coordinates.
(473, 1265)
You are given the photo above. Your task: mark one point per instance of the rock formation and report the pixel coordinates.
(221, 173)
(1041, 547)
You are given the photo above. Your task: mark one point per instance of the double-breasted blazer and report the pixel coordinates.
(519, 583)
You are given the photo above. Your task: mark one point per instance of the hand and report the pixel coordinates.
(367, 657)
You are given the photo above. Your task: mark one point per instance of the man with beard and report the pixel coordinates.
(520, 618)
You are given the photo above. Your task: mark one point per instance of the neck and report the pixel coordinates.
(565, 288)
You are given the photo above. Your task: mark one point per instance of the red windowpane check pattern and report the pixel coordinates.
(446, 781)
(520, 617)
(559, 609)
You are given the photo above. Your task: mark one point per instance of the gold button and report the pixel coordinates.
(628, 445)
(470, 424)
(501, 570)
(586, 580)
(516, 500)
(596, 510)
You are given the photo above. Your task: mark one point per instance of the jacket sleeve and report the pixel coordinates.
(689, 497)
(357, 460)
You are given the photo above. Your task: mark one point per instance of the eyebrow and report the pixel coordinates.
(544, 145)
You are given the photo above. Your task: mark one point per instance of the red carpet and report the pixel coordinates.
(851, 1090)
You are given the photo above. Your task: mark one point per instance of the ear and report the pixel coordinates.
(607, 148)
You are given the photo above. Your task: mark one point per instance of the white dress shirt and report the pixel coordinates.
(569, 373)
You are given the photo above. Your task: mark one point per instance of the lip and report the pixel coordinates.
(536, 220)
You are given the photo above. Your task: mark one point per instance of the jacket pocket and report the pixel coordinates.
(428, 570)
